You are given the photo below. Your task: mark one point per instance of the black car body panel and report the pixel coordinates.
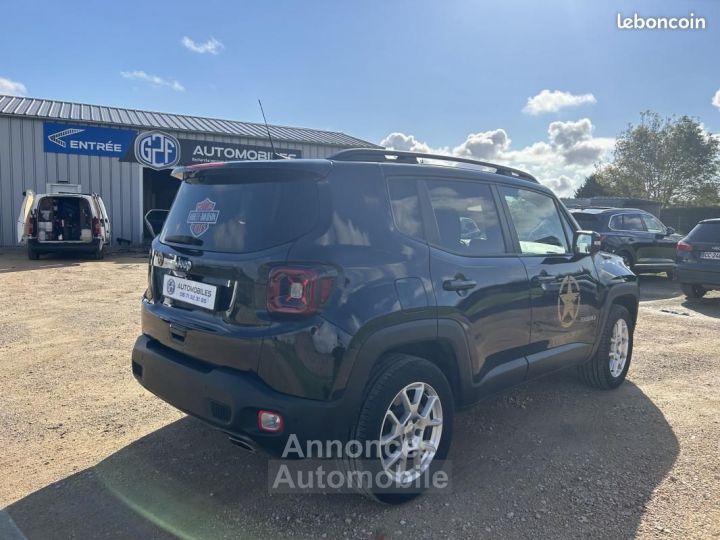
(634, 234)
(422, 259)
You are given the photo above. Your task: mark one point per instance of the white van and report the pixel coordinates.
(63, 223)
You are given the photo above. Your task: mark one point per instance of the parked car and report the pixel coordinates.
(641, 239)
(63, 223)
(350, 298)
(698, 259)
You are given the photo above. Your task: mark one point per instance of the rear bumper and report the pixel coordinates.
(229, 400)
(64, 247)
(693, 276)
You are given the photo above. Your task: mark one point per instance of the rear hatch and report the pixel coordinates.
(702, 247)
(209, 270)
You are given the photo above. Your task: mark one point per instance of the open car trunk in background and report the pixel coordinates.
(24, 215)
(64, 219)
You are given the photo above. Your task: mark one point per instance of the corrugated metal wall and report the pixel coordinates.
(25, 165)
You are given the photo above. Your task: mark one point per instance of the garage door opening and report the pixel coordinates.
(159, 189)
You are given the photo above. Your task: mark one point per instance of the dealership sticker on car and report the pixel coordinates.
(715, 255)
(192, 292)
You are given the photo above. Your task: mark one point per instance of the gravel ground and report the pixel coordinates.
(87, 453)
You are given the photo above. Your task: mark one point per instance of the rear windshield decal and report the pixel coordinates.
(202, 217)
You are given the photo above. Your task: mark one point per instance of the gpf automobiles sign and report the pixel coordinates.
(157, 150)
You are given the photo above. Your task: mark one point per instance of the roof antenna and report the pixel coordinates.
(275, 154)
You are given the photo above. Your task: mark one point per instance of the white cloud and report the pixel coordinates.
(405, 143)
(483, 145)
(549, 101)
(561, 162)
(154, 80)
(212, 45)
(716, 99)
(12, 88)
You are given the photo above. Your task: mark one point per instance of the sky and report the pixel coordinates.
(545, 86)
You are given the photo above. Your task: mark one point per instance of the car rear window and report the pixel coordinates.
(587, 222)
(241, 217)
(705, 232)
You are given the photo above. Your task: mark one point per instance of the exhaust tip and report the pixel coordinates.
(242, 442)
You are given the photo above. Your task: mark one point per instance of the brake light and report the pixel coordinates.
(96, 227)
(29, 227)
(298, 290)
(684, 246)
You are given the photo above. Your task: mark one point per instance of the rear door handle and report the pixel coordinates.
(459, 284)
(544, 278)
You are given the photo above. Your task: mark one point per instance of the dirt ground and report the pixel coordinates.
(87, 453)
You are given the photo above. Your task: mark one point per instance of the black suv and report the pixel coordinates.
(644, 243)
(698, 259)
(365, 296)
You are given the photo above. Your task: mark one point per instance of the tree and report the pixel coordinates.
(591, 188)
(672, 161)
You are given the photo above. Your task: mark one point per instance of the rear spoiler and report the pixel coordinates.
(183, 173)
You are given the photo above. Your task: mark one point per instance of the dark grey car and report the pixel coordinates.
(641, 239)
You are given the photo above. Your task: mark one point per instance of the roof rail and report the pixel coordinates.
(380, 155)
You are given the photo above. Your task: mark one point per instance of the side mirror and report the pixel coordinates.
(586, 242)
(670, 231)
(154, 221)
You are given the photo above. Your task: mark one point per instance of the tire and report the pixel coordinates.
(693, 291)
(99, 255)
(33, 255)
(603, 370)
(400, 372)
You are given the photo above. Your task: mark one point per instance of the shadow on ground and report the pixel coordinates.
(552, 459)
(709, 306)
(658, 287)
(15, 259)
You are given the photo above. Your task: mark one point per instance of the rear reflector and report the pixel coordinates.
(297, 290)
(684, 246)
(271, 422)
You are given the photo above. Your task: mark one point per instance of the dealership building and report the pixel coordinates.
(126, 155)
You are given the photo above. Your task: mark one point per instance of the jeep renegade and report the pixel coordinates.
(367, 296)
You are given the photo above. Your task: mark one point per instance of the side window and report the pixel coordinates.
(406, 206)
(616, 223)
(632, 222)
(652, 224)
(537, 221)
(466, 217)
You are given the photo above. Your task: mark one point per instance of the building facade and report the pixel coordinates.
(126, 155)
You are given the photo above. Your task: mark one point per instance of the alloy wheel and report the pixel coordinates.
(619, 346)
(410, 433)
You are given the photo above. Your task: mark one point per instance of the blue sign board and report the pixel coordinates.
(87, 140)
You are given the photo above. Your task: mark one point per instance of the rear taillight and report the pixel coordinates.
(298, 290)
(29, 227)
(96, 227)
(684, 246)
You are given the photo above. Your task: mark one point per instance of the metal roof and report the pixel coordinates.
(46, 109)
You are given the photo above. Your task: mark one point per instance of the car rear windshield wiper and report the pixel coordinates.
(184, 239)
